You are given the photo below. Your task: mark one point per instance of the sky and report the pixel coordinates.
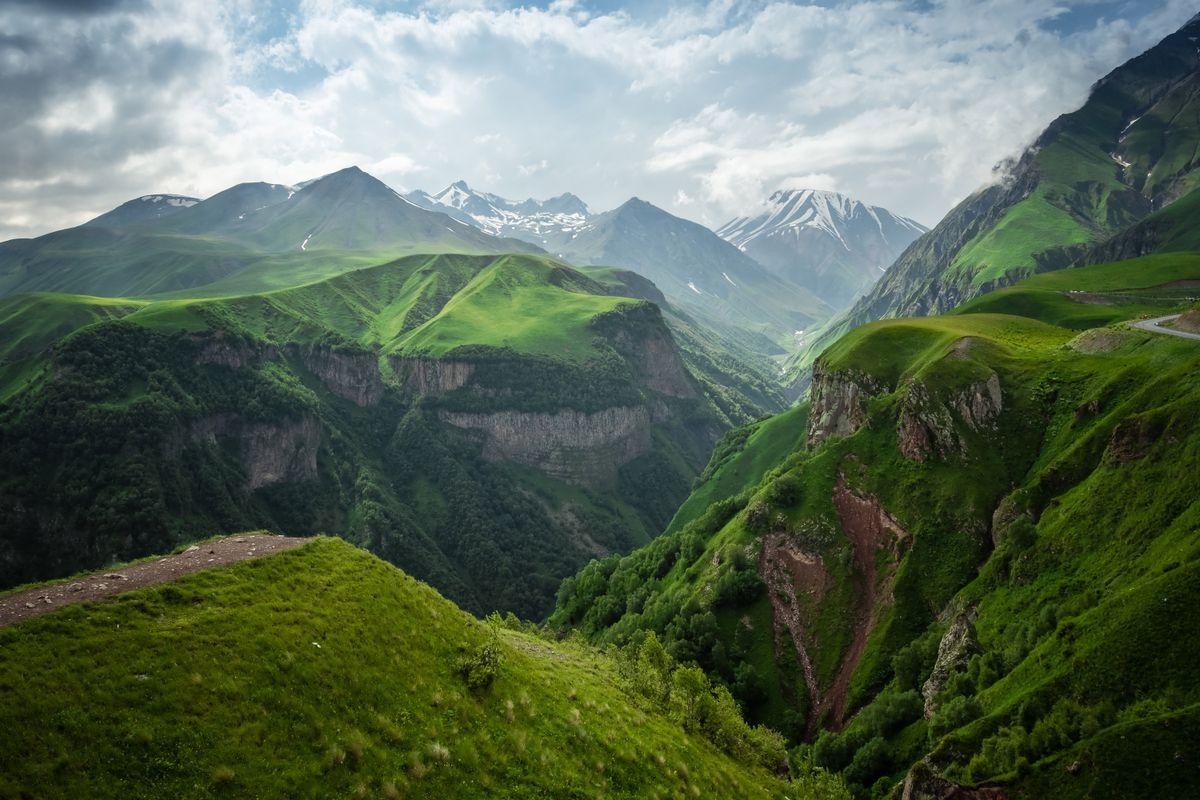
(703, 108)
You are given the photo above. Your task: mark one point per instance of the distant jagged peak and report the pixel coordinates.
(821, 209)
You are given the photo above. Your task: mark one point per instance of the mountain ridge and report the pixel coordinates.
(830, 243)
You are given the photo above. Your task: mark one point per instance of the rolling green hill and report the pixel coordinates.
(324, 672)
(1128, 151)
(976, 569)
(489, 423)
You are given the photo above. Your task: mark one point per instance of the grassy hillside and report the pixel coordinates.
(1099, 295)
(324, 672)
(1010, 489)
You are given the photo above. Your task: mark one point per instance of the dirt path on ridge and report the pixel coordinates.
(103, 585)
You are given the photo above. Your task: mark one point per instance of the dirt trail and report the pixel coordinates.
(103, 585)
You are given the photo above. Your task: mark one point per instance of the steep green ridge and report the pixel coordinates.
(1129, 150)
(732, 364)
(489, 423)
(1011, 489)
(324, 672)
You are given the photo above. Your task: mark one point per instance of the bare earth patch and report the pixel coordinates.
(103, 585)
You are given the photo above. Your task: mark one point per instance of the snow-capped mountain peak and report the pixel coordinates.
(830, 212)
(540, 222)
(837, 245)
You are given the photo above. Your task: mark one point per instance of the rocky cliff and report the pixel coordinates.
(586, 449)
(432, 377)
(839, 402)
(351, 374)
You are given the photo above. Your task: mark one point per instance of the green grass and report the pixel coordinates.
(523, 303)
(1114, 292)
(427, 304)
(324, 672)
(741, 459)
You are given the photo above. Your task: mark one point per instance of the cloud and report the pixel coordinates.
(702, 107)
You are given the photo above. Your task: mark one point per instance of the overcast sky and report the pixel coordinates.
(702, 108)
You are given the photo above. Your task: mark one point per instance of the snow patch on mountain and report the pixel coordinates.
(829, 212)
(536, 221)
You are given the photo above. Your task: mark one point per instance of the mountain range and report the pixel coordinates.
(832, 245)
(964, 564)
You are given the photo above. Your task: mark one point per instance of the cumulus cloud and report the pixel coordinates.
(702, 107)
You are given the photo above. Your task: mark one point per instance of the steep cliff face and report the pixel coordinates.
(927, 425)
(839, 402)
(351, 374)
(586, 449)
(648, 349)
(432, 377)
(285, 452)
(233, 353)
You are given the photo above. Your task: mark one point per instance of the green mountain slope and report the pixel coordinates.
(1128, 151)
(250, 238)
(488, 423)
(324, 672)
(982, 559)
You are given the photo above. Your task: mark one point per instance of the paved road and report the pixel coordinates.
(1155, 326)
(102, 585)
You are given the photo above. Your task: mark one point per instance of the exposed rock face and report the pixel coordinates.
(655, 361)
(923, 783)
(839, 402)
(432, 377)
(1188, 322)
(956, 648)
(270, 454)
(234, 354)
(1132, 438)
(352, 375)
(789, 570)
(928, 427)
(870, 528)
(1007, 511)
(571, 445)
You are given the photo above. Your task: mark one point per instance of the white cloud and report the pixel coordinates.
(705, 107)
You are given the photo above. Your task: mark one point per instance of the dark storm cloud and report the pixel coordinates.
(85, 94)
(73, 6)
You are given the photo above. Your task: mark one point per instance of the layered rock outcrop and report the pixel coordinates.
(927, 426)
(432, 377)
(572, 445)
(351, 374)
(839, 402)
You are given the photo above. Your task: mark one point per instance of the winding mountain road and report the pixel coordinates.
(103, 585)
(1155, 326)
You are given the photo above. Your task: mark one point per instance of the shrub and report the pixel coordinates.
(481, 668)
(953, 714)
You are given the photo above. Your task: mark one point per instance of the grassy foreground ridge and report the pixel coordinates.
(325, 672)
